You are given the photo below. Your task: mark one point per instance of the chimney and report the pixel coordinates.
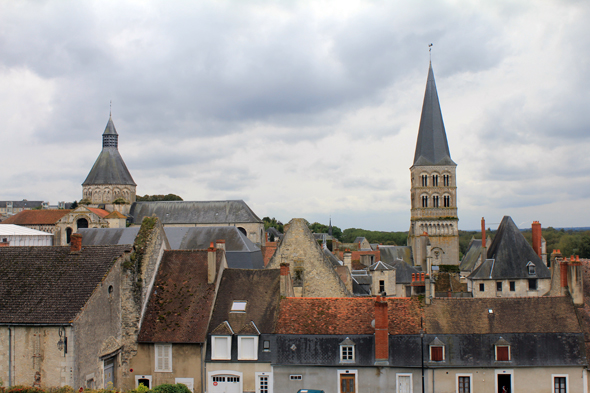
(537, 238)
(428, 296)
(563, 272)
(381, 333)
(75, 242)
(348, 260)
(286, 288)
(211, 263)
(484, 249)
(220, 244)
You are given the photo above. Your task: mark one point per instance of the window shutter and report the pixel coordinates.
(221, 348)
(247, 347)
(166, 355)
(437, 354)
(502, 354)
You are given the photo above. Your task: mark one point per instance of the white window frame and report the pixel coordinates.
(356, 379)
(148, 377)
(257, 378)
(509, 353)
(218, 356)
(239, 306)
(443, 352)
(567, 382)
(342, 360)
(240, 355)
(470, 381)
(404, 375)
(505, 372)
(167, 348)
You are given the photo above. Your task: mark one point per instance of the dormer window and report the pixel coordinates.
(347, 351)
(531, 267)
(502, 350)
(437, 351)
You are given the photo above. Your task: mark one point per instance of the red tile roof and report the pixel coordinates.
(37, 217)
(180, 304)
(115, 214)
(346, 315)
(99, 212)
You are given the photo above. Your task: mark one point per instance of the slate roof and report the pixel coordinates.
(432, 147)
(275, 232)
(109, 167)
(508, 256)
(181, 300)
(37, 217)
(195, 212)
(403, 271)
(50, 285)
(104, 236)
(472, 255)
(390, 253)
(259, 288)
(510, 315)
(332, 258)
(380, 266)
(347, 315)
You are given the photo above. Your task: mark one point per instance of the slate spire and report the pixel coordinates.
(432, 147)
(330, 227)
(110, 138)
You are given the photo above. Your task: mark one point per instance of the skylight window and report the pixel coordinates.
(239, 306)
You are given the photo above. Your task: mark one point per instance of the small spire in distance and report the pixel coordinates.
(111, 109)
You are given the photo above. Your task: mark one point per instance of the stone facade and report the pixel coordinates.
(521, 288)
(313, 275)
(108, 193)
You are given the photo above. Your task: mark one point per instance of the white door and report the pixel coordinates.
(224, 383)
(404, 384)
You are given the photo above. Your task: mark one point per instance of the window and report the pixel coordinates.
(512, 286)
(499, 286)
(221, 348)
(532, 284)
(435, 201)
(436, 353)
(239, 306)
(248, 348)
(482, 287)
(424, 201)
(531, 267)
(381, 286)
(293, 377)
(266, 346)
(163, 357)
(446, 180)
(464, 383)
(502, 350)
(435, 180)
(424, 180)
(560, 384)
(347, 351)
(447, 201)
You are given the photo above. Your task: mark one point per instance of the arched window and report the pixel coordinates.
(424, 201)
(446, 180)
(243, 231)
(435, 201)
(82, 223)
(447, 201)
(68, 234)
(424, 180)
(434, 180)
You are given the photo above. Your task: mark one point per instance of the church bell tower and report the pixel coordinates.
(433, 231)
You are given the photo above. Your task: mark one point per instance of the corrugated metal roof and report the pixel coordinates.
(11, 229)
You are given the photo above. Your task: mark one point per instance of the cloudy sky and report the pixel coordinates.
(302, 108)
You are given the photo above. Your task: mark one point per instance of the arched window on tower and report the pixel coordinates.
(435, 201)
(424, 180)
(447, 201)
(446, 180)
(424, 201)
(434, 180)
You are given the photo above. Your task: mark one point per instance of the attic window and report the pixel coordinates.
(239, 306)
(502, 350)
(437, 350)
(531, 267)
(347, 351)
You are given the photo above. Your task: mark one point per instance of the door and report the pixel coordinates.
(226, 384)
(347, 383)
(109, 373)
(504, 383)
(263, 384)
(403, 384)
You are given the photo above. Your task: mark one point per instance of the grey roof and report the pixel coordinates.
(332, 258)
(109, 167)
(274, 231)
(240, 252)
(194, 212)
(403, 271)
(379, 265)
(23, 204)
(508, 256)
(471, 256)
(432, 147)
(390, 253)
(358, 239)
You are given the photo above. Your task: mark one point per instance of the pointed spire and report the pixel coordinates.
(110, 138)
(432, 147)
(330, 227)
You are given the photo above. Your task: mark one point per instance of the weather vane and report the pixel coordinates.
(430, 51)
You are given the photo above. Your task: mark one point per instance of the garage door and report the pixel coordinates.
(226, 383)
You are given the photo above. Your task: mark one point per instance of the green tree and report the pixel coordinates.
(272, 223)
(153, 198)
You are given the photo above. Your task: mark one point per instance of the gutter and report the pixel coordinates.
(9, 356)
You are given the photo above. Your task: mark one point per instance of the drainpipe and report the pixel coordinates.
(9, 356)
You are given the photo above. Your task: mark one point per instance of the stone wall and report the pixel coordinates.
(310, 269)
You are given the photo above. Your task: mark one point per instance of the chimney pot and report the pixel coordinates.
(220, 244)
(75, 242)
(537, 236)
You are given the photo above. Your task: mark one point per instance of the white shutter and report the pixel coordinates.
(163, 357)
(221, 348)
(248, 348)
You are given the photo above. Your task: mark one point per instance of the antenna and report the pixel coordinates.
(430, 51)
(111, 108)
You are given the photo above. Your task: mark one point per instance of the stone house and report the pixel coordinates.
(511, 268)
(81, 330)
(9, 208)
(313, 273)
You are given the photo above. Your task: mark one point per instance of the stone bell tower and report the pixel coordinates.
(433, 188)
(109, 179)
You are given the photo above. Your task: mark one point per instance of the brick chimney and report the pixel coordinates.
(381, 332)
(220, 244)
(537, 238)
(75, 242)
(484, 249)
(211, 263)
(286, 286)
